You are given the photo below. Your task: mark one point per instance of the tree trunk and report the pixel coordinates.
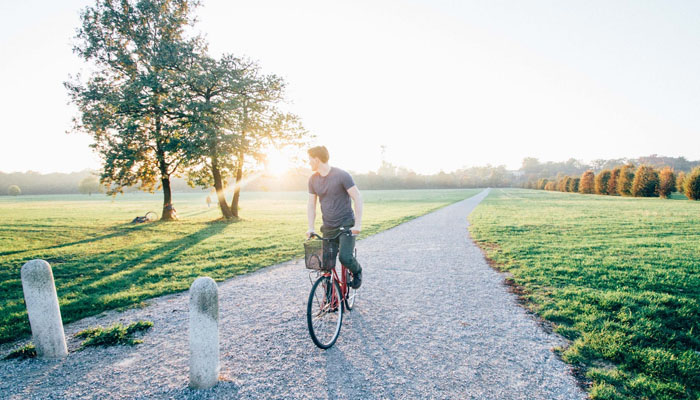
(237, 188)
(168, 210)
(218, 185)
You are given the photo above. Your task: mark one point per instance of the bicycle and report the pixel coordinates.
(330, 295)
(149, 217)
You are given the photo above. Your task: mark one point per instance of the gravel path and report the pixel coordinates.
(433, 321)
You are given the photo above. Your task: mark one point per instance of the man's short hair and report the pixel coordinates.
(320, 152)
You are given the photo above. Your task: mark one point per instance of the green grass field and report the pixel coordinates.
(620, 277)
(100, 261)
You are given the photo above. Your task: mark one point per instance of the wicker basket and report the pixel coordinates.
(320, 255)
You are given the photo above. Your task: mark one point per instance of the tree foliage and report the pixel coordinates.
(587, 183)
(561, 184)
(612, 182)
(601, 182)
(646, 182)
(89, 185)
(573, 185)
(129, 104)
(209, 98)
(680, 181)
(260, 123)
(624, 181)
(691, 184)
(14, 190)
(233, 117)
(667, 182)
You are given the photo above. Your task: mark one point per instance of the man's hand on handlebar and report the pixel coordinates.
(309, 233)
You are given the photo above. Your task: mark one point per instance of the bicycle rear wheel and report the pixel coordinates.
(324, 312)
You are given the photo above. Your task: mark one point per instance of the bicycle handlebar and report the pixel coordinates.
(342, 231)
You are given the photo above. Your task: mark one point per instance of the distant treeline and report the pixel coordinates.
(532, 169)
(387, 176)
(60, 183)
(627, 180)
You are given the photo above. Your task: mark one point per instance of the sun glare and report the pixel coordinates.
(279, 161)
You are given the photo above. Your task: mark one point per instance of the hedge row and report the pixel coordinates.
(644, 181)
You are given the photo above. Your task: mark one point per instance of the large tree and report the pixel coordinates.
(601, 182)
(624, 180)
(667, 182)
(645, 182)
(231, 111)
(208, 114)
(587, 183)
(259, 122)
(129, 103)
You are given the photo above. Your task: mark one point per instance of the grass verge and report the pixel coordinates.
(116, 334)
(619, 277)
(24, 352)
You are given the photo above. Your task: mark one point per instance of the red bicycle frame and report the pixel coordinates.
(342, 282)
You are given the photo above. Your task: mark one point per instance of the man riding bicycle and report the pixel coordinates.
(335, 187)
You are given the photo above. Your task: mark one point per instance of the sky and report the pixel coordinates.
(441, 84)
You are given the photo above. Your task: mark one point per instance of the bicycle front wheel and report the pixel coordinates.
(324, 312)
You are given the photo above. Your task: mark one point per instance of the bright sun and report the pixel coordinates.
(279, 161)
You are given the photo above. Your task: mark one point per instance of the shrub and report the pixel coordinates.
(667, 182)
(587, 183)
(679, 182)
(541, 183)
(624, 181)
(573, 185)
(561, 185)
(601, 182)
(567, 184)
(612, 183)
(14, 190)
(692, 184)
(646, 182)
(550, 186)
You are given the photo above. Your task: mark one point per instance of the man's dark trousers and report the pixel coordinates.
(346, 244)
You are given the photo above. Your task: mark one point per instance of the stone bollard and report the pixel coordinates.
(42, 308)
(204, 333)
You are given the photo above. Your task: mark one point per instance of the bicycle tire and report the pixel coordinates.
(325, 312)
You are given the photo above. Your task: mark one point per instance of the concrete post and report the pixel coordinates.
(42, 308)
(204, 333)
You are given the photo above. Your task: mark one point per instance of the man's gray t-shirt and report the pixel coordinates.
(332, 190)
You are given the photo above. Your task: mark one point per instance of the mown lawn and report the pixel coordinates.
(100, 261)
(620, 277)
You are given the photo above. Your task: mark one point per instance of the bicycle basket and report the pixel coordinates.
(320, 254)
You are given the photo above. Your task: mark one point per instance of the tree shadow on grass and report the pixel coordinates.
(135, 272)
(86, 297)
(123, 230)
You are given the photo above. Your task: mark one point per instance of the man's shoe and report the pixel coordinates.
(356, 280)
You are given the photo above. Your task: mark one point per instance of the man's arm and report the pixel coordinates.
(356, 197)
(311, 214)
